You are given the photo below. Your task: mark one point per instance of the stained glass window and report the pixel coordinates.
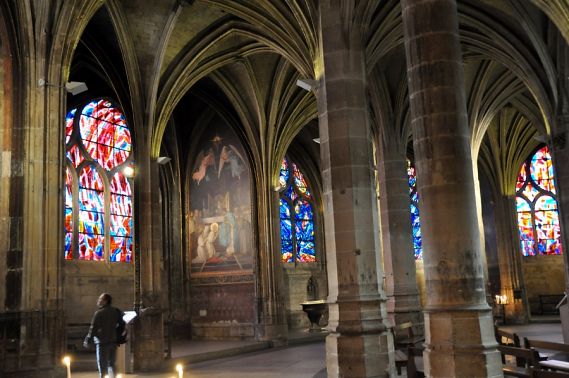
(296, 215)
(536, 205)
(414, 206)
(98, 196)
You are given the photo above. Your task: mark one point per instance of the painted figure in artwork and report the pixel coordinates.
(202, 249)
(228, 234)
(230, 155)
(203, 162)
(214, 230)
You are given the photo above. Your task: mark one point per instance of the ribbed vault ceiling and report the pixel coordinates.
(255, 50)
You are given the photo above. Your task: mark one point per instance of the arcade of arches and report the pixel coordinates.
(231, 159)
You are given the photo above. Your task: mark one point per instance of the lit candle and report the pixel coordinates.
(67, 362)
(180, 369)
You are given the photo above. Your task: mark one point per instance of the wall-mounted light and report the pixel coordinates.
(128, 171)
(307, 84)
(163, 160)
(540, 138)
(73, 87)
(316, 140)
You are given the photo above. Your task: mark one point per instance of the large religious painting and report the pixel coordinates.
(220, 230)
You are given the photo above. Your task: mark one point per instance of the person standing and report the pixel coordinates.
(103, 332)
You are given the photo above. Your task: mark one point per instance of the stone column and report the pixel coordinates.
(359, 341)
(560, 152)
(458, 321)
(560, 155)
(510, 260)
(271, 319)
(148, 344)
(397, 238)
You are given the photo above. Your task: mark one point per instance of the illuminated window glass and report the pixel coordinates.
(414, 207)
(296, 215)
(536, 206)
(98, 196)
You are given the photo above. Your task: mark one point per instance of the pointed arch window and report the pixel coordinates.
(98, 195)
(414, 207)
(536, 205)
(296, 215)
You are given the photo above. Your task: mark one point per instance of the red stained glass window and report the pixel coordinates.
(536, 205)
(98, 204)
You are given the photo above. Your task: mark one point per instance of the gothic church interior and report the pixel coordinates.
(226, 161)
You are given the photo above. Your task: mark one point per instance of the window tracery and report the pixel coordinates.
(536, 206)
(98, 196)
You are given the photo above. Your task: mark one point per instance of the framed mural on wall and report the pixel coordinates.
(219, 224)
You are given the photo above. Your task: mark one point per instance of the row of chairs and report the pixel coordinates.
(528, 361)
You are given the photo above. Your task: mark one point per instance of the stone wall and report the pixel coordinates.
(543, 275)
(223, 311)
(84, 281)
(296, 283)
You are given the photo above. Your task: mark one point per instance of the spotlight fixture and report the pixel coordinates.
(163, 160)
(540, 138)
(73, 87)
(307, 84)
(76, 87)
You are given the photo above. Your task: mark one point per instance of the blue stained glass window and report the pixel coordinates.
(297, 232)
(536, 207)
(414, 207)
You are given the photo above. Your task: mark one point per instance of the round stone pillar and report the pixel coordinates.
(560, 154)
(359, 341)
(397, 239)
(458, 321)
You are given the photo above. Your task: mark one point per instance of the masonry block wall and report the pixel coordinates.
(84, 282)
(543, 275)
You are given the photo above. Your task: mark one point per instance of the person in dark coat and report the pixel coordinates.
(103, 332)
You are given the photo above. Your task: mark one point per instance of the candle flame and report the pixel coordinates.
(66, 360)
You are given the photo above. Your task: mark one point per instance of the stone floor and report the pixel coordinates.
(302, 361)
(294, 361)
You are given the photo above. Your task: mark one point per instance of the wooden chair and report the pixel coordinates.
(410, 339)
(415, 367)
(507, 338)
(530, 358)
(400, 360)
(547, 349)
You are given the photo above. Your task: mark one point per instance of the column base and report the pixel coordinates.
(359, 355)
(148, 341)
(276, 333)
(516, 313)
(359, 343)
(461, 344)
